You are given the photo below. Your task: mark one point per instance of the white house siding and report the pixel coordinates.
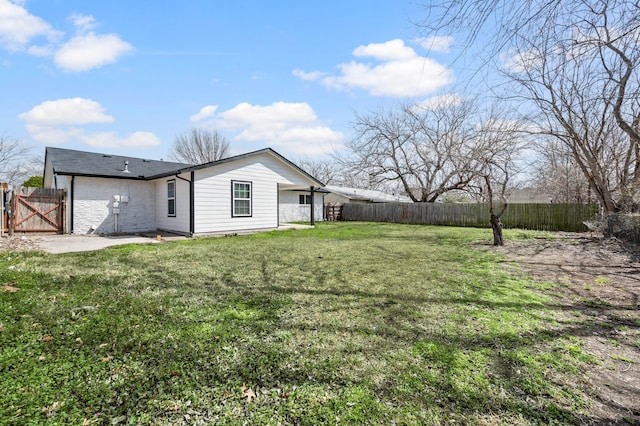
(180, 222)
(62, 182)
(292, 211)
(93, 205)
(212, 206)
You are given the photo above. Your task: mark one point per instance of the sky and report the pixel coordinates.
(126, 77)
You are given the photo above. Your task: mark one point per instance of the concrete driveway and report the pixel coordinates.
(77, 243)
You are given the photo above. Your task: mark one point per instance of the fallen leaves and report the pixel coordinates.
(247, 393)
(10, 288)
(53, 408)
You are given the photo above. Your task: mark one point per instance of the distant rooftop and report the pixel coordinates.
(370, 195)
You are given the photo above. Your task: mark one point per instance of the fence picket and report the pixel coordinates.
(542, 217)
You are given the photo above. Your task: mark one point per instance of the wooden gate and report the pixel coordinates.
(332, 212)
(38, 210)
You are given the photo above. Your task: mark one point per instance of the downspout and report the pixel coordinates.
(312, 222)
(192, 190)
(192, 216)
(73, 195)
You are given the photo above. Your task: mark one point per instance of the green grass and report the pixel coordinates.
(348, 323)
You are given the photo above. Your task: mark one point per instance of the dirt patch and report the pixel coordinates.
(18, 243)
(596, 291)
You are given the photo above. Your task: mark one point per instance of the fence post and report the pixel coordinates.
(1, 211)
(12, 212)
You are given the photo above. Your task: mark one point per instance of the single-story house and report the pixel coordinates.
(338, 195)
(118, 194)
(528, 196)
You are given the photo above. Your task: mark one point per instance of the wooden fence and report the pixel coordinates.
(543, 217)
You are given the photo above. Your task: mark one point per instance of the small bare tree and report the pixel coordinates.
(555, 172)
(326, 170)
(14, 161)
(199, 146)
(502, 142)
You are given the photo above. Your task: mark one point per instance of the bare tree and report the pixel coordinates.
(326, 170)
(576, 63)
(556, 173)
(581, 76)
(502, 140)
(428, 149)
(14, 161)
(199, 146)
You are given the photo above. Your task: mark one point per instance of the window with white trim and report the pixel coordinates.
(241, 199)
(305, 199)
(171, 198)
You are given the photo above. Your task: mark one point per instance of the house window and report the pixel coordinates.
(241, 195)
(305, 199)
(171, 198)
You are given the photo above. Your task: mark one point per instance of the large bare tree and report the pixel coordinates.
(199, 146)
(575, 63)
(582, 76)
(427, 149)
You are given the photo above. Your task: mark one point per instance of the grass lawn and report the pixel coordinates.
(348, 323)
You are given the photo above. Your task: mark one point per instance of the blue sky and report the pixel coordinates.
(126, 77)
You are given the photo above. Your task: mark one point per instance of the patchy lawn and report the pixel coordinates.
(348, 323)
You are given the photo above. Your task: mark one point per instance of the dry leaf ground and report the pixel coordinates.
(596, 288)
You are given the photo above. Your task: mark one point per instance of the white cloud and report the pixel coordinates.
(394, 50)
(398, 72)
(442, 101)
(85, 51)
(293, 128)
(441, 44)
(83, 23)
(18, 27)
(46, 50)
(204, 113)
(67, 111)
(522, 61)
(308, 76)
(58, 122)
(88, 51)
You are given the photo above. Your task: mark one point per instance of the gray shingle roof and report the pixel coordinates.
(82, 163)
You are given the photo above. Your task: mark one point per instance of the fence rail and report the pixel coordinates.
(543, 217)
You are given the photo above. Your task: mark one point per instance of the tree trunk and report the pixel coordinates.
(496, 226)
